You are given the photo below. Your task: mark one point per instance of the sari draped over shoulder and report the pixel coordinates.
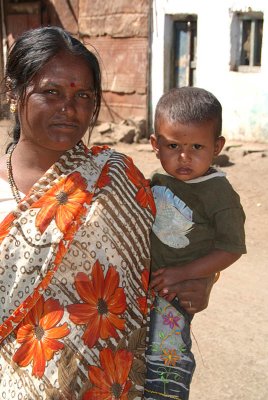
(74, 276)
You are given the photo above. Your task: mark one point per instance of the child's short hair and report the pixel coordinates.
(188, 105)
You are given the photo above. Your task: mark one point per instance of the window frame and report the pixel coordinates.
(169, 48)
(237, 30)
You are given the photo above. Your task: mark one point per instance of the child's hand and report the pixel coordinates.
(166, 295)
(164, 278)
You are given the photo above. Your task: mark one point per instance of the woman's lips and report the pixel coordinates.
(65, 125)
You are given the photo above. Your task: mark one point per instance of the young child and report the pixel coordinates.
(198, 230)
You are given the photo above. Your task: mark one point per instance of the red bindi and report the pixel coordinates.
(72, 84)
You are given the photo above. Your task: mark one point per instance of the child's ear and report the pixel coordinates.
(154, 144)
(220, 142)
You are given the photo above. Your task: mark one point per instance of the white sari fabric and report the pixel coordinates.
(74, 276)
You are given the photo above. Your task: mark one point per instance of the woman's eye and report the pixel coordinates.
(85, 95)
(197, 146)
(50, 91)
(173, 146)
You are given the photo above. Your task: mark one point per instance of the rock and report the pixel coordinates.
(104, 128)
(141, 129)
(246, 152)
(123, 133)
(140, 126)
(100, 138)
(126, 131)
(222, 160)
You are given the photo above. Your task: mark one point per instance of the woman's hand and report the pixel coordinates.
(163, 278)
(193, 294)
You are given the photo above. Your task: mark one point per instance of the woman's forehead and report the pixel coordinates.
(65, 69)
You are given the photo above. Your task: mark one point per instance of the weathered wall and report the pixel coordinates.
(244, 95)
(64, 13)
(119, 32)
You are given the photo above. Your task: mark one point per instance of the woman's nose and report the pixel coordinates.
(67, 106)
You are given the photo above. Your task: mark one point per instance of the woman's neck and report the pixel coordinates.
(28, 163)
(32, 156)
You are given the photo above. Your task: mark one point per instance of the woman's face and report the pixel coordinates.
(59, 104)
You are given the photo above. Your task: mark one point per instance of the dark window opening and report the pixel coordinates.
(184, 58)
(246, 41)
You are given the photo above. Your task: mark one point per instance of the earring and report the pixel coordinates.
(13, 107)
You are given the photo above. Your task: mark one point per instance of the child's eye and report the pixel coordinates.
(197, 146)
(172, 146)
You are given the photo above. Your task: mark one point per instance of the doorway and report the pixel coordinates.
(180, 54)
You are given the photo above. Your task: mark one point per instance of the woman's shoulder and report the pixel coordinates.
(124, 161)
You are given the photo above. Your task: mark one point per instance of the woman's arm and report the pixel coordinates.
(193, 294)
(203, 267)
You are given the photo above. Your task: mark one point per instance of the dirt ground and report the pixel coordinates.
(231, 346)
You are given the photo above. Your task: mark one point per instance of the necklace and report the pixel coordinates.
(12, 183)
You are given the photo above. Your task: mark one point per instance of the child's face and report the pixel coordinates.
(186, 151)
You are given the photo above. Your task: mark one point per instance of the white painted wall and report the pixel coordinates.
(244, 95)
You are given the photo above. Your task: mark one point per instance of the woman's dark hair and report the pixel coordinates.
(30, 53)
(187, 105)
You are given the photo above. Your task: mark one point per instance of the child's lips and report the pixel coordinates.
(184, 171)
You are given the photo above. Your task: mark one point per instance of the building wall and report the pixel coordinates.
(244, 95)
(117, 31)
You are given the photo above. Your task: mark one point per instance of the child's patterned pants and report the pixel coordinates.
(170, 363)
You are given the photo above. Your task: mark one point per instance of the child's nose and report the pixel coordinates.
(185, 155)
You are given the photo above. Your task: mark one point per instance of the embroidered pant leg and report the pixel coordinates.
(170, 363)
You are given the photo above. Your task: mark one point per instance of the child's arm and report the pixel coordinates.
(215, 261)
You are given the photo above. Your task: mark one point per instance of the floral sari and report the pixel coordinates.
(73, 281)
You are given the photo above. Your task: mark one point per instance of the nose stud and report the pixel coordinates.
(63, 109)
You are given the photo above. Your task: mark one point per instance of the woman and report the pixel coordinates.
(74, 236)
(75, 249)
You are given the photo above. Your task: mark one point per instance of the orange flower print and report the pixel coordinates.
(110, 382)
(144, 196)
(170, 357)
(64, 202)
(60, 253)
(95, 150)
(38, 335)
(5, 329)
(142, 301)
(20, 313)
(104, 178)
(103, 303)
(86, 149)
(6, 225)
(74, 226)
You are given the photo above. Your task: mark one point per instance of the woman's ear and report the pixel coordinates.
(154, 144)
(219, 143)
(12, 101)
